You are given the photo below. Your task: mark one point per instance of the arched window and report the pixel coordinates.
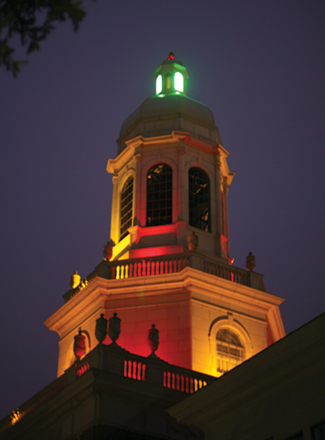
(179, 82)
(126, 207)
(158, 84)
(230, 351)
(199, 199)
(159, 195)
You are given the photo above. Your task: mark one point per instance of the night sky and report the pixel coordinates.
(258, 65)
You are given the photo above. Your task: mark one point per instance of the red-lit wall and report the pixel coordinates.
(171, 315)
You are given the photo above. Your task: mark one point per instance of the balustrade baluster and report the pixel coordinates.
(144, 268)
(134, 366)
(129, 368)
(144, 368)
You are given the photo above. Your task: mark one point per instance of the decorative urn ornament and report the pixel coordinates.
(79, 347)
(250, 262)
(75, 280)
(101, 328)
(153, 339)
(108, 250)
(114, 328)
(193, 241)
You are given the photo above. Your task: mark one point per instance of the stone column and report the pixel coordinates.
(225, 205)
(180, 181)
(217, 165)
(139, 193)
(115, 206)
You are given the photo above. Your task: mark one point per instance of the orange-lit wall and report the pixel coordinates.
(187, 308)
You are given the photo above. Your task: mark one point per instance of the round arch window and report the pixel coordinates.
(230, 351)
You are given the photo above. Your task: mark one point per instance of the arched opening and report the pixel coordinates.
(126, 207)
(230, 350)
(159, 195)
(199, 199)
(158, 84)
(179, 82)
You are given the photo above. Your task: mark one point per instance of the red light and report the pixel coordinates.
(171, 56)
(156, 251)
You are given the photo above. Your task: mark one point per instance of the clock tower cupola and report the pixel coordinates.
(171, 176)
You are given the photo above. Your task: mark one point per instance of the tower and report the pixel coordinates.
(168, 260)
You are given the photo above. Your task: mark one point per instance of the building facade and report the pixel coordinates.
(168, 260)
(147, 337)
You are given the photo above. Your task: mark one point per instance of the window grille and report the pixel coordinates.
(126, 207)
(159, 195)
(199, 199)
(230, 351)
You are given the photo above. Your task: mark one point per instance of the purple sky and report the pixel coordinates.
(258, 65)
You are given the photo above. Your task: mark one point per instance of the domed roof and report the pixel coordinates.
(170, 109)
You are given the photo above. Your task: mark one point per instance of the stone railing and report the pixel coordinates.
(116, 360)
(227, 272)
(152, 369)
(166, 264)
(186, 381)
(177, 262)
(147, 266)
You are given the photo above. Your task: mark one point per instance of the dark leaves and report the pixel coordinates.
(32, 21)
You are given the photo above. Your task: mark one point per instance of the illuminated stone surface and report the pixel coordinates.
(153, 277)
(211, 315)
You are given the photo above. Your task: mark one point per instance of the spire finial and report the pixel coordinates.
(171, 56)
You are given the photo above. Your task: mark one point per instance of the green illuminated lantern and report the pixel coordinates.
(171, 77)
